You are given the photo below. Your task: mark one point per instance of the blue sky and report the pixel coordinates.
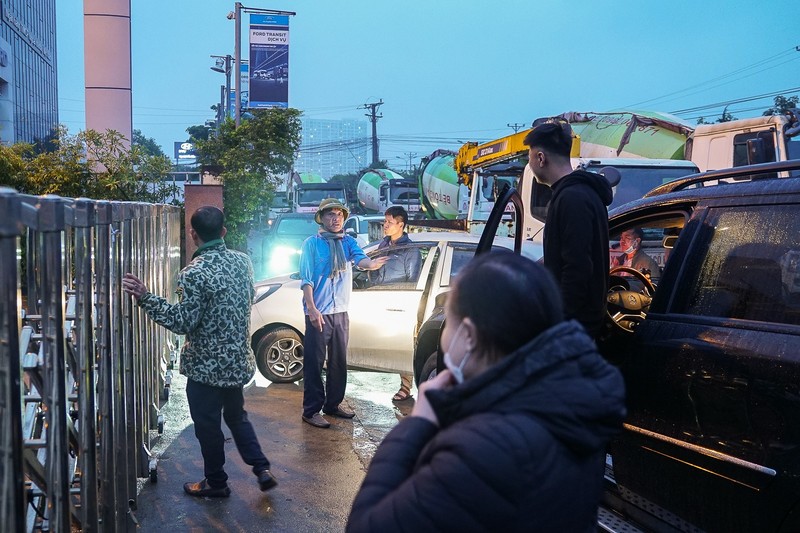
(451, 71)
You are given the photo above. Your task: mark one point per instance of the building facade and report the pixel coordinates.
(28, 78)
(331, 147)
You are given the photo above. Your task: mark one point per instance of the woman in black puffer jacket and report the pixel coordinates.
(513, 436)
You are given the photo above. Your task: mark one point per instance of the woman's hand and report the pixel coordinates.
(422, 408)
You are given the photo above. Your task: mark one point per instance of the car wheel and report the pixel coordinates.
(279, 356)
(429, 369)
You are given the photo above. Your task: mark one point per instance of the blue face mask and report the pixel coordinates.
(457, 371)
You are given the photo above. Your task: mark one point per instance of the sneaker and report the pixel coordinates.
(202, 490)
(266, 480)
(340, 412)
(317, 421)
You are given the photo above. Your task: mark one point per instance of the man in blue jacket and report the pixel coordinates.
(327, 280)
(576, 228)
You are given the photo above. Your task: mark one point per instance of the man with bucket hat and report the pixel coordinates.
(326, 280)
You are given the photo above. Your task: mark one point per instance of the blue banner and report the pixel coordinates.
(269, 61)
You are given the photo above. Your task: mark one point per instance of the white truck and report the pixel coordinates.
(745, 141)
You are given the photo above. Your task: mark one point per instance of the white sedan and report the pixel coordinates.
(385, 318)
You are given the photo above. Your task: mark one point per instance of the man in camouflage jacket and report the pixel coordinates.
(216, 292)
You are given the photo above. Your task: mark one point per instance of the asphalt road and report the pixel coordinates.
(319, 471)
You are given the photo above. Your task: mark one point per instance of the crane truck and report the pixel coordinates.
(464, 185)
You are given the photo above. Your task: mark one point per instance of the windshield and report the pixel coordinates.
(494, 184)
(635, 182)
(402, 195)
(297, 226)
(315, 196)
(363, 225)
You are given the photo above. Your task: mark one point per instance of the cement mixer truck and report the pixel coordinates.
(310, 189)
(380, 189)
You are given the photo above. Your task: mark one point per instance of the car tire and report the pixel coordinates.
(429, 369)
(279, 356)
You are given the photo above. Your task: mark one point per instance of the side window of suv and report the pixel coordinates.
(752, 267)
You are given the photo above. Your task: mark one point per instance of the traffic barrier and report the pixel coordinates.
(83, 372)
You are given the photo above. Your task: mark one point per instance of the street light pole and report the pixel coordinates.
(238, 55)
(226, 102)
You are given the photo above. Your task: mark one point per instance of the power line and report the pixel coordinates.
(736, 101)
(757, 64)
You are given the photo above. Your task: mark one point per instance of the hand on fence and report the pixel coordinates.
(133, 285)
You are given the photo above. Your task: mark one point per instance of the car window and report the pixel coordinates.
(460, 255)
(351, 224)
(751, 269)
(645, 245)
(401, 271)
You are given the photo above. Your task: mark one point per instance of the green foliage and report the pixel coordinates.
(350, 182)
(252, 157)
(197, 133)
(782, 105)
(147, 144)
(89, 164)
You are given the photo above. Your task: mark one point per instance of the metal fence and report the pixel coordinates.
(82, 371)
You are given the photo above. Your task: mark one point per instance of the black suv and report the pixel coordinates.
(709, 345)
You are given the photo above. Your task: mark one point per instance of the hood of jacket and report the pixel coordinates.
(558, 378)
(581, 177)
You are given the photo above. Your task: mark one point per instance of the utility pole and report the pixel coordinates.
(237, 52)
(516, 127)
(373, 117)
(410, 156)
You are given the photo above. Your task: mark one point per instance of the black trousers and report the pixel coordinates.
(333, 339)
(208, 405)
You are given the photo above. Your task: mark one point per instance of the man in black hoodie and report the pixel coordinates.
(576, 229)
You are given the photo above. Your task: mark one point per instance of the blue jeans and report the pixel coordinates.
(207, 406)
(333, 339)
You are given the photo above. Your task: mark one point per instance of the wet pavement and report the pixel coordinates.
(319, 471)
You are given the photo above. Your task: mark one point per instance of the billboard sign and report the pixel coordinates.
(184, 153)
(269, 61)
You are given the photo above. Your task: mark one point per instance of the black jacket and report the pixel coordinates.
(404, 262)
(576, 245)
(521, 447)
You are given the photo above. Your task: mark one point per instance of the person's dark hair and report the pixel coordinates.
(639, 232)
(510, 299)
(551, 138)
(398, 211)
(207, 222)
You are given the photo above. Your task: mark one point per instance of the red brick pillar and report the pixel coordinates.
(195, 197)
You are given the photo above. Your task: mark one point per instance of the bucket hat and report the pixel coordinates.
(330, 203)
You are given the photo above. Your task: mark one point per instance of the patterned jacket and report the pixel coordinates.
(215, 293)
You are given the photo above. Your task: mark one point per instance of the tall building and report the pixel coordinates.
(28, 81)
(331, 147)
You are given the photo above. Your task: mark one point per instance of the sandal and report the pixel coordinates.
(402, 394)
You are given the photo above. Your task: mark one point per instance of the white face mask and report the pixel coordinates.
(632, 248)
(458, 371)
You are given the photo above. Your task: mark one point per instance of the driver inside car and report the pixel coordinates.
(632, 256)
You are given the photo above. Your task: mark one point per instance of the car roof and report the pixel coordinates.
(532, 249)
(296, 215)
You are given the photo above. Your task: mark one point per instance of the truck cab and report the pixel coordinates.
(744, 142)
(307, 196)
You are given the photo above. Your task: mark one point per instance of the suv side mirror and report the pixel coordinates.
(350, 231)
(756, 151)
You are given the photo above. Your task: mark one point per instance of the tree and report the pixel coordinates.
(782, 105)
(350, 182)
(148, 145)
(252, 157)
(89, 164)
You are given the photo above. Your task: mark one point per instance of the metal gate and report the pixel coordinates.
(82, 371)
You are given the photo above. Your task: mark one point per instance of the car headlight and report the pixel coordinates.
(263, 291)
(282, 258)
